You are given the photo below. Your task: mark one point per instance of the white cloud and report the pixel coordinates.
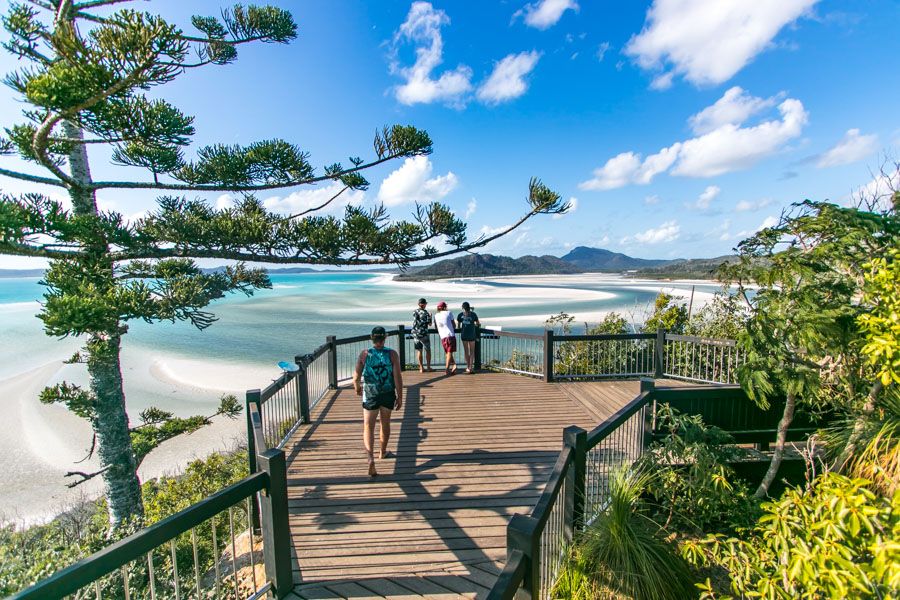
(602, 49)
(507, 81)
(770, 221)
(878, 193)
(573, 206)
(752, 205)
(667, 232)
(304, 200)
(412, 182)
(423, 28)
(705, 199)
(224, 201)
(729, 147)
(544, 14)
(662, 81)
(735, 107)
(651, 199)
(852, 148)
(708, 42)
(471, 207)
(628, 167)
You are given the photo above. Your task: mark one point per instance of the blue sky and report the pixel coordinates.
(677, 126)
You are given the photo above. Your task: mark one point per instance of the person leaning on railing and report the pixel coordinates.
(378, 379)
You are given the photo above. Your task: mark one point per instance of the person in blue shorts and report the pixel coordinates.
(468, 324)
(378, 379)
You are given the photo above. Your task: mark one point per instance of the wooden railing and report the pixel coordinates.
(184, 552)
(208, 550)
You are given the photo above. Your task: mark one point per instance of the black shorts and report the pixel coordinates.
(420, 343)
(385, 400)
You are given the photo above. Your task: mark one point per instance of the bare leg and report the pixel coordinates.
(385, 434)
(369, 417)
(428, 358)
(419, 358)
(470, 356)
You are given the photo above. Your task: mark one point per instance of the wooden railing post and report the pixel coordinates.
(401, 345)
(648, 385)
(576, 439)
(302, 389)
(332, 361)
(659, 356)
(522, 535)
(253, 397)
(478, 348)
(548, 355)
(276, 529)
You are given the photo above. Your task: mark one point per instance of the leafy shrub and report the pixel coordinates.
(30, 554)
(622, 554)
(837, 539)
(692, 486)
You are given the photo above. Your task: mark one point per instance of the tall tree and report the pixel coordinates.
(89, 68)
(803, 282)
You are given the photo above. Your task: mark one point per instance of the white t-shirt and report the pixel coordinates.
(443, 320)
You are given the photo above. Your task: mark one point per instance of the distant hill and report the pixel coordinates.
(691, 268)
(4, 273)
(598, 259)
(488, 265)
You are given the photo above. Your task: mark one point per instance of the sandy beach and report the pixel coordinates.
(176, 368)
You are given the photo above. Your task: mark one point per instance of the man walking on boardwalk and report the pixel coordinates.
(421, 340)
(378, 379)
(468, 325)
(443, 319)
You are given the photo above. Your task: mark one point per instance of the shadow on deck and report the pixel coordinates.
(467, 452)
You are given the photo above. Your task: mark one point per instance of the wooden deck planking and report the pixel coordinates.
(468, 452)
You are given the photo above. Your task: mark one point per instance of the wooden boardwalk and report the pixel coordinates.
(468, 452)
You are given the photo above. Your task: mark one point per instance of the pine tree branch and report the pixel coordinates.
(32, 178)
(186, 187)
(317, 208)
(45, 251)
(85, 477)
(306, 258)
(89, 4)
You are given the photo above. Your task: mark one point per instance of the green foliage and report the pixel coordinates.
(622, 554)
(669, 313)
(33, 553)
(724, 317)
(612, 323)
(560, 323)
(881, 324)
(838, 539)
(690, 482)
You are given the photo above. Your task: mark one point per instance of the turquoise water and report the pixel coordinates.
(301, 309)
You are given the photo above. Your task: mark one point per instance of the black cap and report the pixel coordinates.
(378, 332)
(465, 305)
(423, 301)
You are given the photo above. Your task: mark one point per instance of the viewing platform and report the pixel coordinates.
(489, 477)
(468, 452)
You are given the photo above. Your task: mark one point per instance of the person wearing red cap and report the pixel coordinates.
(443, 320)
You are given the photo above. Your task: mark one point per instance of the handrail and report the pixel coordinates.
(675, 337)
(607, 427)
(136, 546)
(510, 578)
(600, 337)
(541, 510)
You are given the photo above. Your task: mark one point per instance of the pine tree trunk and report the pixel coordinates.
(116, 453)
(123, 490)
(780, 440)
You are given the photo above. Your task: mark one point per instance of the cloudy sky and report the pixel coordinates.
(676, 127)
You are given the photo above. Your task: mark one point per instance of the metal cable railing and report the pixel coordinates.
(520, 353)
(706, 360)
(603, 356)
